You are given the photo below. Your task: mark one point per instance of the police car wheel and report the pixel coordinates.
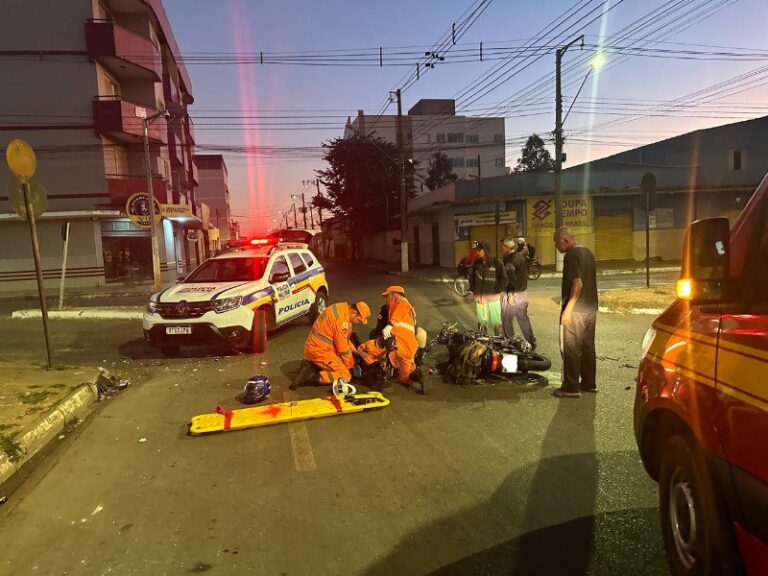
(692, 516)
(259, 330)
(319, 306)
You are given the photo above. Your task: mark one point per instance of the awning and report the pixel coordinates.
(181, 213)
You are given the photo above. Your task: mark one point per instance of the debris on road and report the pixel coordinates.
(142, 440)
(3, 500)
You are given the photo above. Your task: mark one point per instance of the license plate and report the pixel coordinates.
(178, 330)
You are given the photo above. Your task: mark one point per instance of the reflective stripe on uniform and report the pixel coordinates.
(335, 310)
(345, 353)
(317, 334)
(405, 325)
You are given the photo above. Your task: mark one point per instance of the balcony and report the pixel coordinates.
(175, 151)
(190, 129)
(193, 173)
(121, 120)
(120, 188)
(126, 54)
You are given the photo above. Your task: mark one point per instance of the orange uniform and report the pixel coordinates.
(328, 346)
(402, 317)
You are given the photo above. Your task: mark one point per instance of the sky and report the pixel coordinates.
(674, 50)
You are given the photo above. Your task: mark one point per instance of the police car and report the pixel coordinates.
(237, 298)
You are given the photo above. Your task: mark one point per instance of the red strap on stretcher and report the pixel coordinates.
(336, 404)
(227, 416)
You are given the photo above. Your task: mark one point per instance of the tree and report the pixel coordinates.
(440, 172)
(535, 157)
(363, 182)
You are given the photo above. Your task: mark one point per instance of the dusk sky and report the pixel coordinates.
(232, 98)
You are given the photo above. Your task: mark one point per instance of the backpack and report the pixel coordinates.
(467, 364)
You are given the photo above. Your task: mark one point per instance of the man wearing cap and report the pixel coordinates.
(402, 325)
(514, 304)
(328, 347)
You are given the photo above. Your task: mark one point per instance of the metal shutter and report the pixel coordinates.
(613, 237)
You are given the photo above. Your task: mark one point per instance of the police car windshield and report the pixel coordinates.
(229, 270)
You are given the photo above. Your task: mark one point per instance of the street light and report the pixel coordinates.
(156, 277)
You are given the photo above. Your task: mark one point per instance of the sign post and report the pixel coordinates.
(648, 186)
(65, 237)
(22, 162)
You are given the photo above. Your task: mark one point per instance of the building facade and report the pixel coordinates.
(701, 174)
(432, 126)
(213, 190)
(81, 76)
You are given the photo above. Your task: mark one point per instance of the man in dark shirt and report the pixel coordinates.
(487, 281)
(577, 317)
(514, 303)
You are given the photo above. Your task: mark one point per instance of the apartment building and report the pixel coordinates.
(431, 126)
(79, 79)
(214, 192)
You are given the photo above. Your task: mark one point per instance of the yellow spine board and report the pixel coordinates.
(258, 416)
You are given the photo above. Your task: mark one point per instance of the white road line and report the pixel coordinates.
(303, 456)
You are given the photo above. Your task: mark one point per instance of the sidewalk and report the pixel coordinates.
(37, 405)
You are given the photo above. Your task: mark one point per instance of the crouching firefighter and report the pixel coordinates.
(400, 325)
(328, 351)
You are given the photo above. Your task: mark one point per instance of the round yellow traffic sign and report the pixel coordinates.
(21, 159)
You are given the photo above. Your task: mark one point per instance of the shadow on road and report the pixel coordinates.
(542, 518)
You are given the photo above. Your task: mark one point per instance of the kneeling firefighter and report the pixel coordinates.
(328, 351)
(400, 325)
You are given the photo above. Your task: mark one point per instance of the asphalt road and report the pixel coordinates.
(490, 479)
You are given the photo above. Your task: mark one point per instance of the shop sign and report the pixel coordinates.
(486, 219)
(577, 215)
(137, 209)
(662, 218)
(176, 210)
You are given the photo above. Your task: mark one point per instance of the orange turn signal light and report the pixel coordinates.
(684, 288)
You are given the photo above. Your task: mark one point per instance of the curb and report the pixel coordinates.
(85, 314)
(37, 435)
(636, 311)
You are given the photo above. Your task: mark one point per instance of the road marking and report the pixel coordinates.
(303, 456)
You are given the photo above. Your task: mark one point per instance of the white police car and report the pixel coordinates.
(238, 297)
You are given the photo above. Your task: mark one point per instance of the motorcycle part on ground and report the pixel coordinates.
(522, 345)
(223, 419)
(256, 389)
(342, 388)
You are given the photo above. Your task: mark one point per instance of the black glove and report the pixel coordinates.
(355, 339)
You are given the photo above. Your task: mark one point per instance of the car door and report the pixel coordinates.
(278, 276)
(742, 384)
(300, 285)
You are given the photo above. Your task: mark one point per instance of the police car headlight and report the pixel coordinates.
(227, 304)
(151, 307)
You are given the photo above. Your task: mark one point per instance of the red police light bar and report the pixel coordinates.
(259, 241)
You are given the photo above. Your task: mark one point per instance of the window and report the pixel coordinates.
(228, 270)
(473, 139)
(498, 162)
(455, 137)
(498, 138)
(279, 271)
(114, 88)
(471, 162)
(440, 138)
(737, 159)
(308, 259)
(297, 263)
(457, 162)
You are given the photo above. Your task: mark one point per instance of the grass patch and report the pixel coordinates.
(10, 448)
(33, 397)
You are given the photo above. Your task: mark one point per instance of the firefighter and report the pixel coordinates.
(328, 352)
(402, 325)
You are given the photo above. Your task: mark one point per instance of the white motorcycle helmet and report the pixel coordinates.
(341, 388)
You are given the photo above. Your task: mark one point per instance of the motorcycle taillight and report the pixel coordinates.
(495, 357)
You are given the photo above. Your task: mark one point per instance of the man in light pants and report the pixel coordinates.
(514, 304)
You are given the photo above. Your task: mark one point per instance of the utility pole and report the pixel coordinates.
(403, 196)
(304, 209)
(559, 144)
(156, 276)
(319, 209)
(295, 218)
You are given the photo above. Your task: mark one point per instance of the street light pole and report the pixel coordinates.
(559, 144)
(157, 284)
(403, 195)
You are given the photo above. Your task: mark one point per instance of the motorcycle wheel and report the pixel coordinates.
(533, 362)
(534, 271)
